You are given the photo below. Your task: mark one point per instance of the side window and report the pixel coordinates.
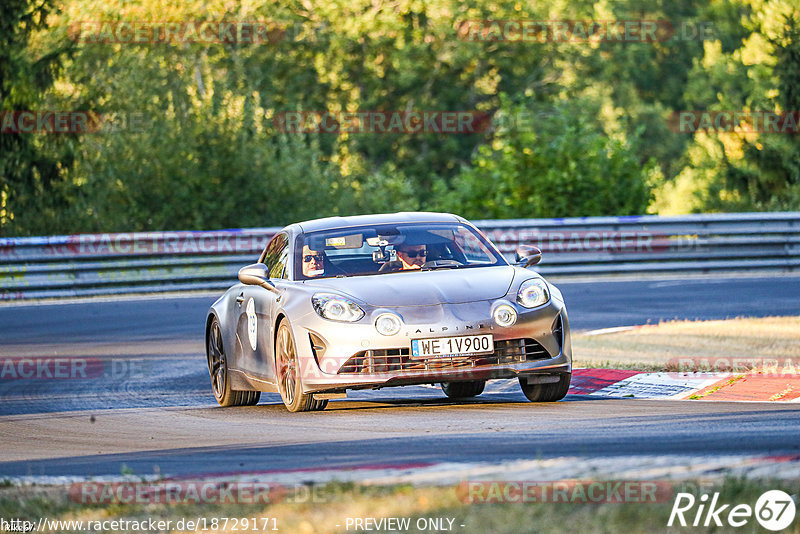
(473, 249)
(276, 256)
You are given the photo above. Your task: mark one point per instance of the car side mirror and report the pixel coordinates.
(528, 255)
(256, 275)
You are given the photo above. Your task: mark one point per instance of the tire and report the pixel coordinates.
(546, 392)
(460, 390)
(218, 370)
(287, 373)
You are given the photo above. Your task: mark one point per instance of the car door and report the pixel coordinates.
(256, 312)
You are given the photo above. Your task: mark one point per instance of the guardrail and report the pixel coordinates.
(108, 264)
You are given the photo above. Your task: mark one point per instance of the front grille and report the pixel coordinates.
(509, 351)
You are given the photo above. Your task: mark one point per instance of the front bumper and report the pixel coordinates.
(335, 357)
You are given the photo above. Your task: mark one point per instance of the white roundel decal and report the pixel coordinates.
(252, 323)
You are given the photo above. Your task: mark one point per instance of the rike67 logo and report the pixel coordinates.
(774, 510)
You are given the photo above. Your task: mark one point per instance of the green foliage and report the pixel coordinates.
(561, 164)
(209, 156)
(747, 170)
(34, 186)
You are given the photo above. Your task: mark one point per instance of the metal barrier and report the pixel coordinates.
(109, 264)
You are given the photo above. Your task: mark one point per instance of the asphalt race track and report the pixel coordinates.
(151, 409)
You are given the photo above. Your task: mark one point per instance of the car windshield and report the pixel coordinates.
(390, 248)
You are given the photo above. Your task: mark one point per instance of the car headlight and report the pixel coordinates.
(505, 315)
(533, 293)
(388, 324)
(336, 308)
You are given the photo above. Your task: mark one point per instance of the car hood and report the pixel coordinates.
(424, 288)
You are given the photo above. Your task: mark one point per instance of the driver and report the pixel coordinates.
(312, 262)
(412, 256)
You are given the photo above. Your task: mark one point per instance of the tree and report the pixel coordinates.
(35, 187)
(559, 164)
(746, 169)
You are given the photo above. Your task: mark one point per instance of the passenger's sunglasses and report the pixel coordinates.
(415, 253)
(308, 257)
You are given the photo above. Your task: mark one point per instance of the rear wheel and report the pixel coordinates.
(288, 374)
(550, 392)
(218, 369)
(460, 390)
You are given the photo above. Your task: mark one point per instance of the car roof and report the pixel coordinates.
(330, 223)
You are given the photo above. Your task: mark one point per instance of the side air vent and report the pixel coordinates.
(558, 332)
(317, 346)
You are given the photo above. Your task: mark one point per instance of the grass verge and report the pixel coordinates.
(657, 347)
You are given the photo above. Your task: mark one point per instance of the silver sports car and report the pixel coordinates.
(373, 301)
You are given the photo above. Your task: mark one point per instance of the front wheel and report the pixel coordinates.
(288, 374)
(549, 392)
(460, 390)
(220, 378)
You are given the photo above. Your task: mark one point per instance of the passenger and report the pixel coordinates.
(313, 262)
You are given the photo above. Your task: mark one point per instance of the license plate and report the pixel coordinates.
(442, 347)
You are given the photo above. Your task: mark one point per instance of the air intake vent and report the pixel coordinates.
(506, 352)
(558, 332)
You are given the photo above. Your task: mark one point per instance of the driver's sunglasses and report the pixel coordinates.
(308, 257)
(415, 253)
